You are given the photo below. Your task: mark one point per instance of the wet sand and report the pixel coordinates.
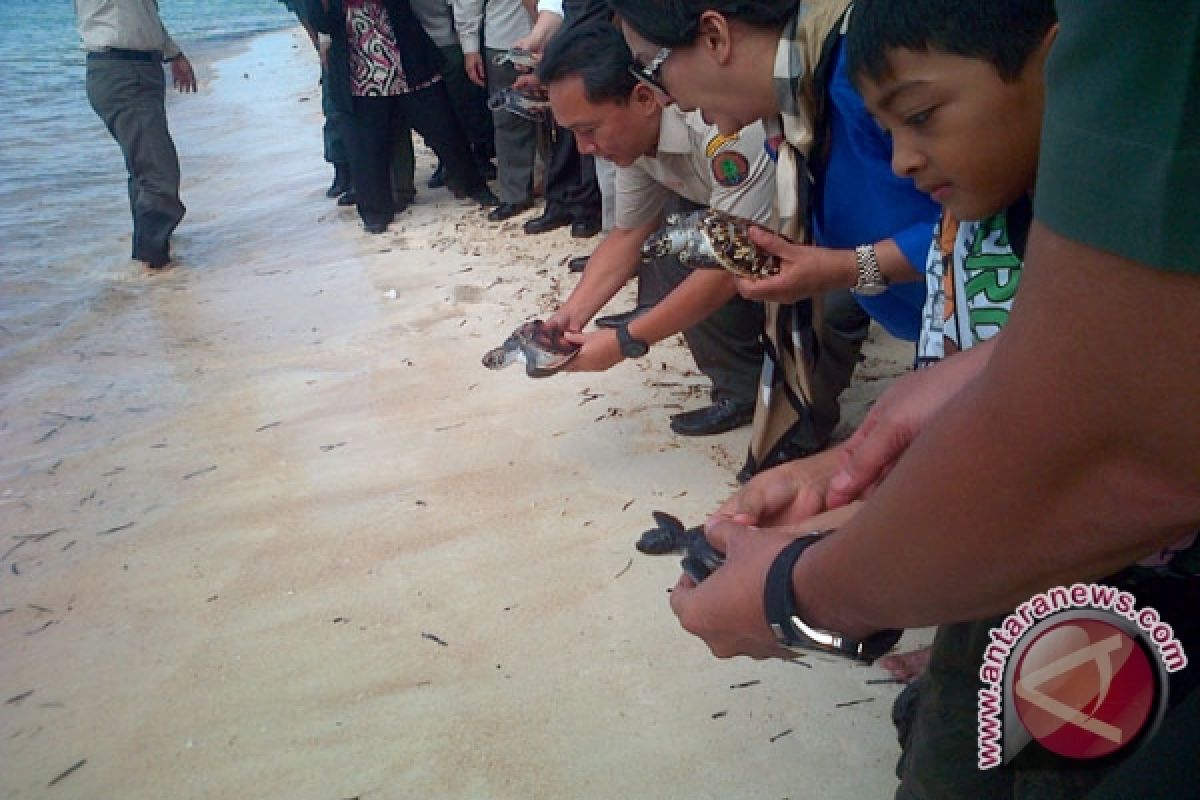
(271, 530)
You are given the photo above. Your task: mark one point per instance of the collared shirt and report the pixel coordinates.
(437, 19)
(506, 21)
(123, 24)
(729, 173)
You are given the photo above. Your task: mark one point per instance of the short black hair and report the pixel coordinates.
(1004, 33)
(673, 23)
(597, 53)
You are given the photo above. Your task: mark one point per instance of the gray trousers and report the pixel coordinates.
(516, 138)
(128, 97)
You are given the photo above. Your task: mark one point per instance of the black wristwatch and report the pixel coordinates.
(630, 347)
(796, 635)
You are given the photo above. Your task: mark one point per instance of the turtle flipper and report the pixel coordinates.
(668, 536)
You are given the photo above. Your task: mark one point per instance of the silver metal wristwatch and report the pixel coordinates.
(870, 277)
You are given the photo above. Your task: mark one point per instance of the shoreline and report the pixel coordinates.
(274, 530)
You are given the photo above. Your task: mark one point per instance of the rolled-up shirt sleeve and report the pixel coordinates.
(468, 18)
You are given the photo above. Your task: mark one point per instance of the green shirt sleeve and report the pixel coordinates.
(1120, 157)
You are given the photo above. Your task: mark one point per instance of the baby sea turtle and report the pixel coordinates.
(543, 350)
(668, 535)
(710, 239)
(518, 57)
(519, 103)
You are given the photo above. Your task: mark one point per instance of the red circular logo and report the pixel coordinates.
(1084, 688)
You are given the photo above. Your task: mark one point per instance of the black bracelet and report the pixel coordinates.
(779, 603)
(779, 599)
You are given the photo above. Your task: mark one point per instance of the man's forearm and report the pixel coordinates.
(609, 268)
(1045, 469)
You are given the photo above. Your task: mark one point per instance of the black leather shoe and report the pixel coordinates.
(507, 210)
(341, 181)
(624, 318)
(721, 416)
(548, 221)
(348, 198)
(375, 227)
(585, 228)
(578, 264)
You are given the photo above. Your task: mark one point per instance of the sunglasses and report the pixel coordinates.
(650, 74)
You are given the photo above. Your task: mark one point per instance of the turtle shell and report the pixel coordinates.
(726, 241)
(711, 239)
(543, 350)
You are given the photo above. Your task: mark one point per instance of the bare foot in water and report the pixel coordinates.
(906, 667)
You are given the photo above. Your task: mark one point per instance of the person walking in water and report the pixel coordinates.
(126, 46)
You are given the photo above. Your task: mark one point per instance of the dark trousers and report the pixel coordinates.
(373, 129)
(334, 132)
(128, 97)
(571, 185)
(470, 105)
(844, 327)
(726, 345)
(471, 115)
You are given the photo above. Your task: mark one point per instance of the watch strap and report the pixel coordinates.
(870, 274)
(779, 603)
(630, 347)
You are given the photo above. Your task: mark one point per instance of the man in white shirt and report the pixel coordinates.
(661, 154)
(485, 39)
(126, 45)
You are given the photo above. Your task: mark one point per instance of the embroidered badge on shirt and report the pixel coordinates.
(719, 141)
(730, 169)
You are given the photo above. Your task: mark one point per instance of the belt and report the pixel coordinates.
(118, 54)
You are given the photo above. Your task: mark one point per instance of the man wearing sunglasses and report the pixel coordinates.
(661, 155)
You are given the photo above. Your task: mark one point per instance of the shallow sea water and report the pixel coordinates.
(64, 220)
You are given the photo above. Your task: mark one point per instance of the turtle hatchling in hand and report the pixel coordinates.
(543, 350)
(710, 239)
(668, 536)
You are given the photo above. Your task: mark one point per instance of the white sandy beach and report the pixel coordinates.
(270, 530)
